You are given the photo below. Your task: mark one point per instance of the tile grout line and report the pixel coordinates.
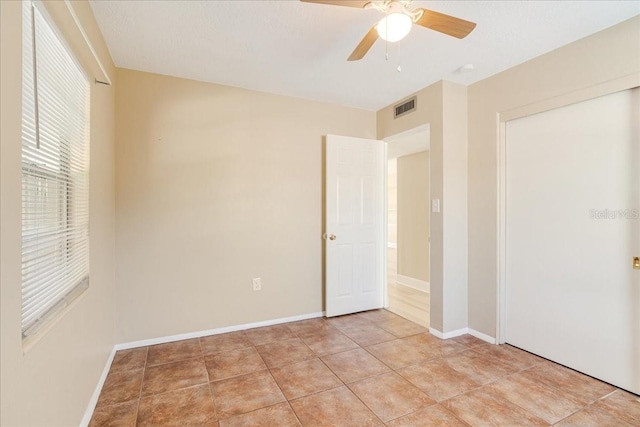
(555, 365)
(396, 372)
(606, 395)
(378, 375)
(443, 357)
(515, 403)
(286, 400)
(174, 390)
(574, 412)
(294, 412)
(431, 406)
(362, 379)
(203, 357)
(187, 359)
(124, 371)
(146, 366)
(554, 388)
(344, 384)
(334, 373)
(213, 401)
(481, 386)
(275, 381)
(278, 385)
(144, 371)
(387, 365)
(316, 393)
(455, 415)
(436, 403)
(361, 348)
(506, 399)
(358, 397)
(596, 408)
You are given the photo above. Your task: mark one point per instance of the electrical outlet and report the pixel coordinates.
(257, 284)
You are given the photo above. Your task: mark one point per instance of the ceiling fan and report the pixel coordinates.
(399, 20)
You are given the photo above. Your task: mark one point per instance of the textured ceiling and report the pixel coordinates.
(300, 49)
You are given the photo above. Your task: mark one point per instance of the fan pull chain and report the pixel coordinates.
(399, 69)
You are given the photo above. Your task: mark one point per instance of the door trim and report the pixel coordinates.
(616, 85)
(385, 227)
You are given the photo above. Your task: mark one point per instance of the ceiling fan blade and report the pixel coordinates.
(446, 24)
(361, 50)
(349, 3)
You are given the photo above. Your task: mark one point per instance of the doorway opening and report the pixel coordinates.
(408, 225)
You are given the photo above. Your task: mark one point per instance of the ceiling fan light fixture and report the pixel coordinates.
(394, 27)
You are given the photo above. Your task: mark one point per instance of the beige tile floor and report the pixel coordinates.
(368, 369)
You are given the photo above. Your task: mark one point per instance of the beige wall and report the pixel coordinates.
(442, 106)
(215, 186)
(51, 384)
(584, 69)
(413, 215)
(454, 207)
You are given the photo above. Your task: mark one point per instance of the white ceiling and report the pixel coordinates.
(300, 49)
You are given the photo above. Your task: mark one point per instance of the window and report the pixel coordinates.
(55, 173)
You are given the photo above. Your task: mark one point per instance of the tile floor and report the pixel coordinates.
(368, 369)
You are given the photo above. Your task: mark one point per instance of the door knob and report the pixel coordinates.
(636, 263)
(332, 237)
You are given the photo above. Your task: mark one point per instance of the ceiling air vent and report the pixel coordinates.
(405, 108)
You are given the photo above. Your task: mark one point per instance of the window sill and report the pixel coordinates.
(30, 341)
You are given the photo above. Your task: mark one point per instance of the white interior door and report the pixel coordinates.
(572, 230)
(355, 241)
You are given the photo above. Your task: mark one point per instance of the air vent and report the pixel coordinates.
(405, 108)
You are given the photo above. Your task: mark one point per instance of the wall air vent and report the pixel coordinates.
(405, 108)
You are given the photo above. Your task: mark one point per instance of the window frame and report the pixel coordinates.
(63, 177)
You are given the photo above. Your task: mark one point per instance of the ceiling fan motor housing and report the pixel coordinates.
(389, 7)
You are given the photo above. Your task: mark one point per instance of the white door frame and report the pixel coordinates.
(385, 190)
(616, 85)
(385, 228)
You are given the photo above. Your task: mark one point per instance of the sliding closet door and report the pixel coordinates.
(573, 230)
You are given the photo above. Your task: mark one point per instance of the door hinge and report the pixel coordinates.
(636, 263)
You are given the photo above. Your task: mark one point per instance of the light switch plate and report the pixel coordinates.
(435, 205)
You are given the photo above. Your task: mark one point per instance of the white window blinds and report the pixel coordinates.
(55, 172)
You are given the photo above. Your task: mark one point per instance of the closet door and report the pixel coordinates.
(573, 230)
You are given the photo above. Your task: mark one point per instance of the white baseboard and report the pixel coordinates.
(483, 337)
(462, 331)
(420, 285)
(447, 335)
(86, 419)
(436, 333)
(198, 334)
